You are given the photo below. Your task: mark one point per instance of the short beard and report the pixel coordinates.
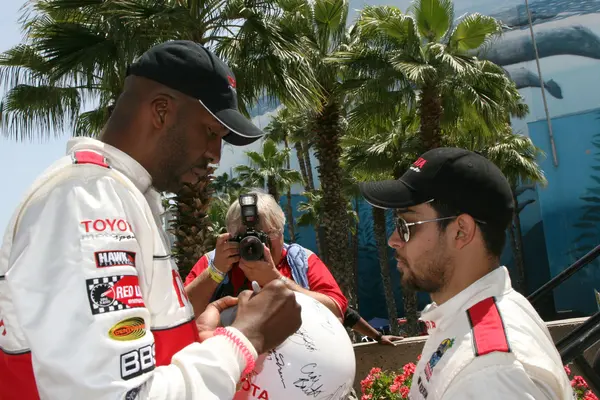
(435, 275)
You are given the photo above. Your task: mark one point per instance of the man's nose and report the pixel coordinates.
(214, 151)
(395, 241)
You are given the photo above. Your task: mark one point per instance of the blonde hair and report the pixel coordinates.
(270, 214)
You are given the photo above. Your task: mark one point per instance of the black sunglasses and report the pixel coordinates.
(403, 227)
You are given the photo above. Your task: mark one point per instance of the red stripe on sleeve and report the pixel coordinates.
(169, 341)
(17, 381)
(487, 328)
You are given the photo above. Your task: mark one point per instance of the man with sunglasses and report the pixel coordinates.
(485, 339)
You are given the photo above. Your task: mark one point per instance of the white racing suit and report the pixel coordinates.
(489, 343)
(91, 304)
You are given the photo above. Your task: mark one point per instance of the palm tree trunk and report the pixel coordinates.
(335, 219)
(430, 110)
(302, 164)
(356, 248)
(518, 249)
(290, 216)
(272, 188)
(409, 297)
(380, 239)
(190, 224)
(308, 163)
(513, 247)
(319, 241)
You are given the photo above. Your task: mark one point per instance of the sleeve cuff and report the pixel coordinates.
(245, 341)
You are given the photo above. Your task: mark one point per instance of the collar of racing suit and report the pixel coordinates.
(116, 158)
(495, 283)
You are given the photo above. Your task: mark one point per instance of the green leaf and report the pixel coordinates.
(434, 18)
(474, 31)
(593, 199)
(38, 110)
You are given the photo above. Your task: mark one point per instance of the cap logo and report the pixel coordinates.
(231, 81)
(417, 165)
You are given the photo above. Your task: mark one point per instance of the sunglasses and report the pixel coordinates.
(403, 227)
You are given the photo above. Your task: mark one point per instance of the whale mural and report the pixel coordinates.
(517, 47)
(523, 78)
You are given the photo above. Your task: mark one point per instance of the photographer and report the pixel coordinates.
(223, 272)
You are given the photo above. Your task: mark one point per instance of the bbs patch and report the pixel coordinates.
(113, 293)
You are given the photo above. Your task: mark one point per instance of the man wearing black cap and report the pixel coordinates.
(91, 303)
(485, 339)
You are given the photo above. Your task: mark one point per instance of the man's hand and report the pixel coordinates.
(269, 317)
(389, 339)
(261, 271)
(226, 253)
(208, 321)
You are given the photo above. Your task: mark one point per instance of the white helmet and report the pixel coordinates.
(316, 362)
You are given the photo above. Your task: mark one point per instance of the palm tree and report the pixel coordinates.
(270, 169)
(279, 130)
(75, 51)
(377, 149)
(320, 26)
(290, 126)
(225, 184)
(312, 210)
(424, 58)
(312, 214)
(517, 156)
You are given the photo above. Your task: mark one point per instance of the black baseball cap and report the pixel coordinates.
(192, 69)
(462, 179)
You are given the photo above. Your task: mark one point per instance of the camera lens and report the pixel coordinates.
(251, 248)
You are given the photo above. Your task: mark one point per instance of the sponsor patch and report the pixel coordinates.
(128, 329)
(137, 362)
(436, 356)
(106, 225)
(114, 258)
(113, 293)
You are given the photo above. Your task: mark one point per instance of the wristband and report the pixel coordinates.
(215, 274)
(379, 336)
(250, 361)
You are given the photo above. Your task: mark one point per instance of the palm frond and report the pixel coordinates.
(473, 32)
(434, 18)
(27, 110)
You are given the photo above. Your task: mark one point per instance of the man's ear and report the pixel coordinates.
(465, 230)
(161, 107)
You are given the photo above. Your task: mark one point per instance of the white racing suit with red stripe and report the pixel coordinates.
(488, 342)
(91, 304)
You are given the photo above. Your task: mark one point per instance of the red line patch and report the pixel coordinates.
(90, 157)
(487, 327)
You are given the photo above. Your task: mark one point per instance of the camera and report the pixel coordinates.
(252, 241)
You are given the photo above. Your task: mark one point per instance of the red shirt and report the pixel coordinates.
(320, 279)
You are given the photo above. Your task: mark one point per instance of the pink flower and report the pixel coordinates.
(399, 379)
(366, 397)
(590, 396)
(404, 392)
(366, 383)
(395, 387)
(375, 371)
(579, 381)
(409, 369)
(419, 357)
(567, 370)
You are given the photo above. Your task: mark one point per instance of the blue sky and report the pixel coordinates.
(20, 163)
